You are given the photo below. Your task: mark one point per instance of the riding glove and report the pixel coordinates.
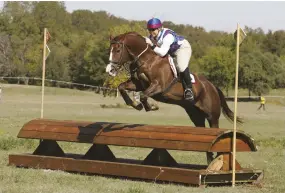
(148, 41)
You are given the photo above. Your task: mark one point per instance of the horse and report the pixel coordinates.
(153, 76)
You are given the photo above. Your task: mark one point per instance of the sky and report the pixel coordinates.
(212, 15)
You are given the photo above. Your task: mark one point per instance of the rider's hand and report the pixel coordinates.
(148, 41)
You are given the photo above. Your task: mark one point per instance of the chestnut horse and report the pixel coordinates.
(152, 75)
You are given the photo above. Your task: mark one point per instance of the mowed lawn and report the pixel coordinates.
(20, 104)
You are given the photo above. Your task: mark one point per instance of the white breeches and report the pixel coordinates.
(183, 55)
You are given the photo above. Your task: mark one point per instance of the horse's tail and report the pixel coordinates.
(225, 108)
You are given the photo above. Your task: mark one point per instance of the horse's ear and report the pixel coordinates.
(111, 37)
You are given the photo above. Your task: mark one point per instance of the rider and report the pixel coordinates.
(168, 42)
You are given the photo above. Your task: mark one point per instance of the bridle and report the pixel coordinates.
(118, 64)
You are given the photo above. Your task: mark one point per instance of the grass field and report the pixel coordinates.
(22, 103)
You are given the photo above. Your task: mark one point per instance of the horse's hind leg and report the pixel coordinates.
(196, 116)
(213, 123)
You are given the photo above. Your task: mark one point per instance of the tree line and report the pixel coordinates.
(79, 47)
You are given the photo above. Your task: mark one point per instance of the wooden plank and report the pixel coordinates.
(58, 122)
(87, 132)
(122, 133)
(225, 145)
(41, 123)
(243, 171)
(120, 141)
(107, 168)
(177, 175)
(225, 177)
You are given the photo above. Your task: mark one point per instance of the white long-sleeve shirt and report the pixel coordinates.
(163, 44)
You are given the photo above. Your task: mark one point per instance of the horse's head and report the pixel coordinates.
(124, 48)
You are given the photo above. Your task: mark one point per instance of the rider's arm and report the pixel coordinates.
(166, 42)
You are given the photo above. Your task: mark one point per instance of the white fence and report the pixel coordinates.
(107, 90)
(97, 89)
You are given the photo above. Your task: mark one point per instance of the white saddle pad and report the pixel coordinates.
(173, 68)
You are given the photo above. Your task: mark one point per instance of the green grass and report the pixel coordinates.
(22, 103)
(244, 92)
(8, 142)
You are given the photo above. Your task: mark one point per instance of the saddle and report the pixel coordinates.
(173, 64)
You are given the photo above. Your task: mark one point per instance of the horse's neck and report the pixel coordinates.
(149, 58)
(156, 67)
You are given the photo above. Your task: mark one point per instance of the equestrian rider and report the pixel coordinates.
(168, 42)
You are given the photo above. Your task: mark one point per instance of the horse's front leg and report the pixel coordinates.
(153, 89)
(147, 106)
(129, 85)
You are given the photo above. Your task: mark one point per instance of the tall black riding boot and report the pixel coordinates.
(188, 93)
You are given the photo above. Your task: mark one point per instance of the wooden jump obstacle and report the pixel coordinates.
(159, 165)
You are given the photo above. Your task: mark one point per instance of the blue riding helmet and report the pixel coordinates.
(154, 23)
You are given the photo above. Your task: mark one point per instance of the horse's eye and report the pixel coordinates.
(118, 51)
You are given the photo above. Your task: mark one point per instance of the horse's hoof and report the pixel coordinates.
(147, 109)
(151, 108)
(138, 107)
(154, 108)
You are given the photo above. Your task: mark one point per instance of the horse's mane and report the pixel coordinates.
(133, 33)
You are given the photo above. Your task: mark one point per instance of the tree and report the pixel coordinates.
(258, 71)
(80, 42)
(88, 59)
(23, 35)
(85, 20)
(57, 63)
(275, 42)
(6, 67)
(280, 78)
(218, 66)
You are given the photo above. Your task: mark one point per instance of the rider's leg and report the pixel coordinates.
(188, 93)
(183, 55)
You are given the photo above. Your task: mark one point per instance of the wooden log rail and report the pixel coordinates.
(99, 158)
